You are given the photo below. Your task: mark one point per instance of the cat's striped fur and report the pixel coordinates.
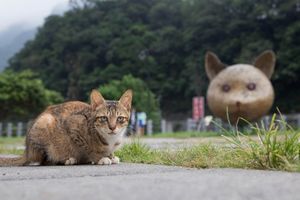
(77, 133)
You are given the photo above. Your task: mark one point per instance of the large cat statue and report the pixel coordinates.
(240, 90)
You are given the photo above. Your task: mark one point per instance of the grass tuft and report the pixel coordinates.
(138, 153)
(200, 156)
(276, 146)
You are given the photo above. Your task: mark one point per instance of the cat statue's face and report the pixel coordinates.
(241, 90)
(111, 117)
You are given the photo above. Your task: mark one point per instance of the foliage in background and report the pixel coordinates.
(23, 95)
(163, 42)
(143, 99)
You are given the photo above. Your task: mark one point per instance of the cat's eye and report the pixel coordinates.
(225, 88)
(251, 86)
(121, 119)
(102, 119)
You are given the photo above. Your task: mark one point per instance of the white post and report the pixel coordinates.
(149, 127)
(188, 124)
(191, 124)
(219, 125)
(163, 125)
(9, 129)
(169, 127)
(1, 129)
(19, 129)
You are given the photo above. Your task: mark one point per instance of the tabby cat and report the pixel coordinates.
(77, 133)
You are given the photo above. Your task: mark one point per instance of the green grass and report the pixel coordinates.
(191, 134)
(8, 145)
(185, 134)
(202, 156)
(12, 151)
(273, 148)
(11, 140)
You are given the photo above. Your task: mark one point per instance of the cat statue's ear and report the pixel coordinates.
(213, 65)
(96, 99)
(126, 99)
(266, 62)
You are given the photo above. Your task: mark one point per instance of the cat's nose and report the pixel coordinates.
(112, 128)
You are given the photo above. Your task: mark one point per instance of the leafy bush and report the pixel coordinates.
(23, 95)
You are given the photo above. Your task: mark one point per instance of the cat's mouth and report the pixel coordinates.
(112, 133)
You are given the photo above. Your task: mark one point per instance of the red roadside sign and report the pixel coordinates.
(198, 107)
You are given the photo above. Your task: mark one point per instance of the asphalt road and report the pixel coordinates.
(138, 181)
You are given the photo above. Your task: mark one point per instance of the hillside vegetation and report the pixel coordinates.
(163, 42)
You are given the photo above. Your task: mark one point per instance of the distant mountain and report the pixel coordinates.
(12, 40)
(60, 9)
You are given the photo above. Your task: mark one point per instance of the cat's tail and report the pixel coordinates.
(12, 161)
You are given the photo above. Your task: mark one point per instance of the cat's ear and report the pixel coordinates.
(266, 62)
(126, 99)
(96, 99)
(213, 65)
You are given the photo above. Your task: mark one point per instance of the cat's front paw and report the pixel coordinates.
(104, 161)
(115, 160)
(71, 161)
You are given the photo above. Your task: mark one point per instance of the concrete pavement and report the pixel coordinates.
(139, 181)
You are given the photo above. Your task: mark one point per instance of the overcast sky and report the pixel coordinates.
(28, 12)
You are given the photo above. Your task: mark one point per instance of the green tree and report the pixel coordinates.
(163, 42)
(23, 95)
